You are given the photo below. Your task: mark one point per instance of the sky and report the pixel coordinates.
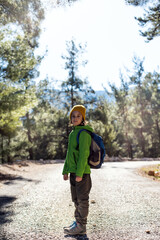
(112, 37)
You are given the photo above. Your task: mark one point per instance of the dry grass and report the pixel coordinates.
(145, 170)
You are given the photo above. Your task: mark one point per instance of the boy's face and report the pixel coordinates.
(76, 118)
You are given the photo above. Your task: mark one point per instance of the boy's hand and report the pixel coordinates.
(65, 177)
(78, 179)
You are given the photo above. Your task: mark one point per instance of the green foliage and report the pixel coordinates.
(136, 113)
(26, 14)
(17, 91)
(17, 61)
(143, 125)
(17, 68)
(34, 121)
(137, 2)
(122, 121)
(129, 125)
(27, 129)
(46, 127)
(74, 85)
(19, 32)
(102, 121)
(150, 19)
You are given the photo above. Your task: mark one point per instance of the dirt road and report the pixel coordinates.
(123, 205)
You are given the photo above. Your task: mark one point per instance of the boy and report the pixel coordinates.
(76, 164)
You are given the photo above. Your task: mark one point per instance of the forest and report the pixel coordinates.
(34, 116)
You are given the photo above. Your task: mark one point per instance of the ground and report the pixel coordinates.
(35, 203)
(19, 169)
(27, 168)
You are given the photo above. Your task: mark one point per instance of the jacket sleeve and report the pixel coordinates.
(84, 151)
(65, 167)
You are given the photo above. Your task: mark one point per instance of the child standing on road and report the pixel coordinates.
(76, 164)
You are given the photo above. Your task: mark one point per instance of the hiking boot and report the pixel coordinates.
(76, 229)
(72, 225)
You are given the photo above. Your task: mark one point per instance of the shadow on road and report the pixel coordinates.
(10, 178)
(78, 237)
(5, 211)
(4, 237)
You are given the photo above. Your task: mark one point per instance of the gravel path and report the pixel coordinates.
(123, 205)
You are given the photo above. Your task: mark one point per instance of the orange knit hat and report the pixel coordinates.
(79, 108)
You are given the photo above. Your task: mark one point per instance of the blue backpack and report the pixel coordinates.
(97, 150)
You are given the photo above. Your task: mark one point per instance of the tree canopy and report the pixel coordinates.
(34, 121)
(75, 89)
(150, 20)
(26, 15)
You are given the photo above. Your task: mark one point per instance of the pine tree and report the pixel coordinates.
(150, 20)
(26, 15)
(17, 68)
(74, 89)
(102, 121)
(122, 120)
(140, 104)
(152, 83)
(48, 124)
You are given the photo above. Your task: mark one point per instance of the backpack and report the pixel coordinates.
(97, 150)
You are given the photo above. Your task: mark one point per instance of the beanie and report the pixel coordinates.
(79, 108)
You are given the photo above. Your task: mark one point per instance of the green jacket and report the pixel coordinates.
(77, 159)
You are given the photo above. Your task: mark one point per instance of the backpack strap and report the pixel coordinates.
(89, 132)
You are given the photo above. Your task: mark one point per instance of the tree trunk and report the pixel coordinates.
(9, 159)
(129, 147)
(2, 151)
(142, 140)
(72, 100)
(72, 84)
(130, 152)
(30, 150)
(158, 130)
